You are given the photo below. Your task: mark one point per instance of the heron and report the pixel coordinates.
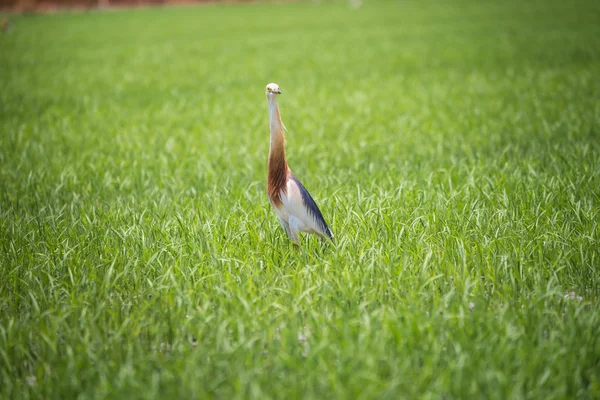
(294, 206)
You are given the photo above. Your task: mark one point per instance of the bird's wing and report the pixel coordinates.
(303, 207)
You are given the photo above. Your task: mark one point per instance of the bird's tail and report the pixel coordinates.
(326, 234)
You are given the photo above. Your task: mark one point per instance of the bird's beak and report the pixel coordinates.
(278, 91)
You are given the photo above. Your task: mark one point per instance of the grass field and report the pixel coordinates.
(453, 147)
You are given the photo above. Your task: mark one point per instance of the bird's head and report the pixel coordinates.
(272, 90)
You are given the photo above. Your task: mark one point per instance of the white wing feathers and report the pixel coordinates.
(300, 211)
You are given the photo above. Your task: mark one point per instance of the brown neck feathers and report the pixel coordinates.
(278, 168)
(278, 171)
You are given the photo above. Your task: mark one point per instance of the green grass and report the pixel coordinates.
(453, 147)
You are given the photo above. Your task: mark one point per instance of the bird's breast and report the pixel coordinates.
(288, 201)
(278, 205)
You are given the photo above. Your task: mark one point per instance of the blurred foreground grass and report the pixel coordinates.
(452, 146)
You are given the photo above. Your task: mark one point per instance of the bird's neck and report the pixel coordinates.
(278, 168)
(276, 151)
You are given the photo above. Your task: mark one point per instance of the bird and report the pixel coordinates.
(294, 206)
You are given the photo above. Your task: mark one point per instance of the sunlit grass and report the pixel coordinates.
(452, 146)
